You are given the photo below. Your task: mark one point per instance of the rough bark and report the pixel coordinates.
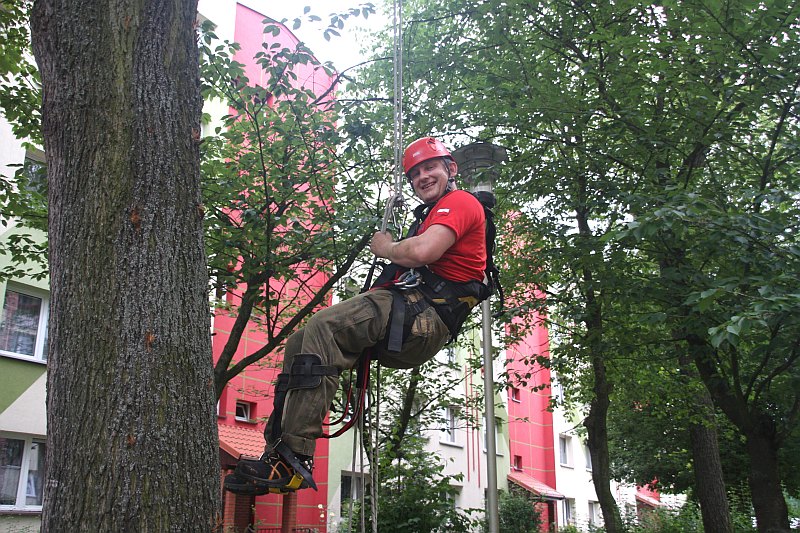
(762, 443)
(132, 440)
(709, 481)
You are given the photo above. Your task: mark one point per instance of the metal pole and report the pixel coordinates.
(477, 163)
(492, 511)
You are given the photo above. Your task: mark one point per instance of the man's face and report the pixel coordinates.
(429, 179)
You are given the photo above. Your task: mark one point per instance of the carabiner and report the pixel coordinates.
(408, 280)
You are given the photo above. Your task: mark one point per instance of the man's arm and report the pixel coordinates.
(416, 251)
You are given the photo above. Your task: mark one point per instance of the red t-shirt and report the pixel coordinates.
(463, 213)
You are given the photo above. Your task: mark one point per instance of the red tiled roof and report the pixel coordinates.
(532, 484)
(236, 441)
(647, 500)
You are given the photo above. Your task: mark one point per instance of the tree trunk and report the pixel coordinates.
(709, 482)
(762, 444)
(394, 442)
(597, 429)
(772, 514)
(132, 440)
(596, 421)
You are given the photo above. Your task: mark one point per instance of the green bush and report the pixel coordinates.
(417, 497)
(517, 512)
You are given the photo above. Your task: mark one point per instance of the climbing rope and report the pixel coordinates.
(375, 447)
(364, 431)
(397, 112)
(398, 96)
(395, 200)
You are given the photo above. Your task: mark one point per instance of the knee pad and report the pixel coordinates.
(307, 371)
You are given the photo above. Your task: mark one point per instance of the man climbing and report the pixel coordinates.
(418, 303)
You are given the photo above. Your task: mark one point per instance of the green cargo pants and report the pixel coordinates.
(339, 334)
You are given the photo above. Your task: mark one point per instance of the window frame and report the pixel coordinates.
(556, 390)
(587, 456)
(448, 435)
(357, 483)
(34, 167)
(24, 472)
(594, 513)
(497, 435)
(565, 450)
(248, 408)
(568, 510)
(39, 350)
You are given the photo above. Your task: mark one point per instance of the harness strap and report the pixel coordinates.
(402, 317)
(281, 388)
(289, 456)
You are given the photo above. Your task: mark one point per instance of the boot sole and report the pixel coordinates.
(252, 487)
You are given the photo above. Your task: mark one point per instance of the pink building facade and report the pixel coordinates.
(530, 423)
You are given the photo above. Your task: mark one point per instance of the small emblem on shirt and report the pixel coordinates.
(444, 211)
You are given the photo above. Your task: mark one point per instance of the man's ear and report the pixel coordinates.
(453, 167)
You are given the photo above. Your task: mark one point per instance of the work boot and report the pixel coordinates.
(274, 471)
(239, 485)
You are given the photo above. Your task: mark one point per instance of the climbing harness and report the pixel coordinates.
(452, 300)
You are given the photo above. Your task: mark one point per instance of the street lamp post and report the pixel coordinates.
(478, 166)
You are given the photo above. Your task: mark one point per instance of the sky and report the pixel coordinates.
(343, 51)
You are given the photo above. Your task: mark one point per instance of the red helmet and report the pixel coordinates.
(421, 150)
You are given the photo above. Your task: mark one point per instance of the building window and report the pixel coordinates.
(517, 464)
(352, 487)
(23, 327)
(447, 356)
(449, 497)
(565, 450)
(448, 431)
(21, 473)
(556, 391)
(34, 172)
(594, 513)
(244, 411)
(496, 429)
(514, 394)
(588, 455)
(566, 508)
